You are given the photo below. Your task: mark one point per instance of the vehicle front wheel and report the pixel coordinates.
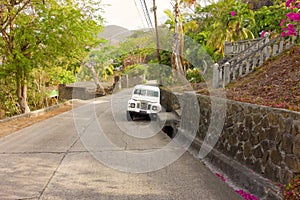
(153, 117)
(129, 115)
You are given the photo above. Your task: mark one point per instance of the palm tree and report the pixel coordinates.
(228, 21)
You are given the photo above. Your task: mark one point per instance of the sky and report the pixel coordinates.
(129, 13)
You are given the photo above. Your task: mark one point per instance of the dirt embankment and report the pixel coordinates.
(276, 84)
(11, 126)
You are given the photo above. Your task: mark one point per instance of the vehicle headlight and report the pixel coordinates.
(154, 107)
(132, 105)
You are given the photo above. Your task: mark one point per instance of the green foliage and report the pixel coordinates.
(59, 75)
(42, 36)
(8, 100)
(138, 48)
(107, 71)
(218, 25)
(194, 75)
(135, 70)
(165, 57)
(269, 18)
(102, 59)
(158, 72)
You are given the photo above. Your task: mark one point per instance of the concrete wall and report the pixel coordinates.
(264, 139)
(71, 92)
(82, 90)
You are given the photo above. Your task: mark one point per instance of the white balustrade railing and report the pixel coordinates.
(247, 60)
(232, 49)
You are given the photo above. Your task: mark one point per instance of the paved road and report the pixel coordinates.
(92, 152)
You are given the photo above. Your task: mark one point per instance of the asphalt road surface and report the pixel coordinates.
(93, 152)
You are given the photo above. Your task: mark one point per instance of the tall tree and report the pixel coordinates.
(39, 33)
(178, 38)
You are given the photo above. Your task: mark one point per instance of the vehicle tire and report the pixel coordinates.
(129, 116)
(153, 117)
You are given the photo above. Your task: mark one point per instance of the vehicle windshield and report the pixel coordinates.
(142, 92)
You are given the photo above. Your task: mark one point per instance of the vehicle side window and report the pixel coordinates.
(140, 92)
(143, 92)
(137, 91)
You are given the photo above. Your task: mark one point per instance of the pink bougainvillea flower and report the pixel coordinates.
(280, 185)
(246, 195)
(221, 177)
(232, 13)
(296, 17)
(289, 2)
(291, 27)
(262, 34)
(293, 16)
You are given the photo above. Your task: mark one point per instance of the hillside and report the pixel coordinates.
(115, 34)
(276, 83)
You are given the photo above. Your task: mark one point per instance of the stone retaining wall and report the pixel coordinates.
(265, 139)
(82, 90)
(72, 92)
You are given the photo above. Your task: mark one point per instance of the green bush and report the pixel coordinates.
(61, 76)
(8, 100)
(194, 75)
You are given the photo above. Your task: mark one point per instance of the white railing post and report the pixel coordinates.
(227, 48)
(215, 83)
(267, 48)
(226, 74)
(254, 62)
(241, 69)
(248, 66)
(288, 43)
(261, 58)
(281, 45)
(233, 73)
(275, 49)
(294, 39)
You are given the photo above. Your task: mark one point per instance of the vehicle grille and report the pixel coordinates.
(144, 106)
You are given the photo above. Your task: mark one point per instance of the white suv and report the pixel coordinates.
(145, 100)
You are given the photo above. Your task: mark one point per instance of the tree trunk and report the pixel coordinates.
(1, 113)
(99, 87)
(177, 48)
(156, 33)
(22, 90)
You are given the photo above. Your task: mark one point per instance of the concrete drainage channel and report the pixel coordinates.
(169, 130)
(241, 179)
(170, 122)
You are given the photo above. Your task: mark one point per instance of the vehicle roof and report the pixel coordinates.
(147, 87)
